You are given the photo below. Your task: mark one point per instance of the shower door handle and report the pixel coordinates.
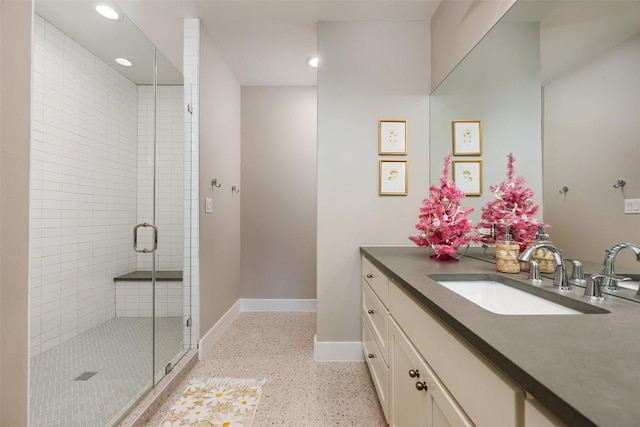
(155, 238)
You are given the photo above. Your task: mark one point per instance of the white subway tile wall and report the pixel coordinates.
(83, 187)
(91, 181)
(191, 65)
(169, 172)
(133, 299)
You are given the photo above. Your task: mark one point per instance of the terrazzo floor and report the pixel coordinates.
(298, 392)
(119, 352)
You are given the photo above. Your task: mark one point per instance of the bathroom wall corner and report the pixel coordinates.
(15, 85)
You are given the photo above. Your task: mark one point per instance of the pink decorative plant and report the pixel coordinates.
(513, 205)
(444, 225)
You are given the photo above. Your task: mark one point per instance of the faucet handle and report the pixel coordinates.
(577, 274)
(534, 273)
(593, 290)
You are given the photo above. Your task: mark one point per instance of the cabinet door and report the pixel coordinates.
(418, 399)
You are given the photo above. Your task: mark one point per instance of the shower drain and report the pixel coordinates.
(85, 376)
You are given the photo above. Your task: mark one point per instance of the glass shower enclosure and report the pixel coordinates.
(110, 181)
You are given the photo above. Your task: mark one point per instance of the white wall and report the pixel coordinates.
(456, 27)
(279, 192)
(595, 106)
(368, 71)
(219, 158)
(15, 64)
(83, 187)
(498, 83)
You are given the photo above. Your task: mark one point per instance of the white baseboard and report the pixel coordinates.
(249, 304)
(212, 336)
(342, 351)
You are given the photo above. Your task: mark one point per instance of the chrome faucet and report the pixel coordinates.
(560, 279)
(593, 292)
(610, 259)
(577, 274)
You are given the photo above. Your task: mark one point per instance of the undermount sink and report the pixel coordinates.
(502, 295)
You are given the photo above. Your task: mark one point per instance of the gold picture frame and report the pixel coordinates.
(467, 174)
(392, 137)
(392, 178)
(467, 137)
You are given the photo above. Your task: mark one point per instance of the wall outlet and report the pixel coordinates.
(632, 206)
(208, 205)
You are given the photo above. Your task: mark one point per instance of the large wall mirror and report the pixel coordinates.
(556, 83)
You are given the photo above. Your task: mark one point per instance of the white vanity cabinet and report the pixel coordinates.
(458, 386)
(486, 395)
(375, 329)
(417, 397)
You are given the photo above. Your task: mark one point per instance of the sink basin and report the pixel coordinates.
(502, 295)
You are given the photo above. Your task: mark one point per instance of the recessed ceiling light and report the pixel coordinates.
(313, 62)
(107, 12)
(124, 62)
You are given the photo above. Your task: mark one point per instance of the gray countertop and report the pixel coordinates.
(583, 368)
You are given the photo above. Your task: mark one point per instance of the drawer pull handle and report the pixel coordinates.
(370, 311)
(421, 386)
(414, 374)
(371, 355)
(369, 276)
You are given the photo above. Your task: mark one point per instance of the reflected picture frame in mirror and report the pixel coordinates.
(467, 137)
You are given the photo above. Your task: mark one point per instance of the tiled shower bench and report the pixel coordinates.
(134, 294)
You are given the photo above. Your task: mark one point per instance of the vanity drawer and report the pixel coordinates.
(486, 395)
(377, 367)
(377, 317)
(378, 281)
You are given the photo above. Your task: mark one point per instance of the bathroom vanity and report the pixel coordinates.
(437, 358)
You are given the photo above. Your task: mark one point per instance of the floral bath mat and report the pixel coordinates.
(219, 402)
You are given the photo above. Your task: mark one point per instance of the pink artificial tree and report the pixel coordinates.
(444, 225)
(513, 206)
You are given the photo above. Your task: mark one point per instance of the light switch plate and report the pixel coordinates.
(632, 206)
(208, 205)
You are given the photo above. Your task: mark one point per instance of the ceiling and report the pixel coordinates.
(264, 42)
(108, 40)
(267, 42)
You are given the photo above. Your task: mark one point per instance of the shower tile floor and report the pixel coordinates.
(119, 351)
(299, 392)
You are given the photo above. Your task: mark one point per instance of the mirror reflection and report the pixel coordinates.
(556, 84)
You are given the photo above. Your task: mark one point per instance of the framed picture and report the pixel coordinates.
(467, 137)
(467, 174)
(392, 137)
(393, 178)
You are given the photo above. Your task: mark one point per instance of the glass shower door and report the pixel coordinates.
(172, 290)
(91, 323)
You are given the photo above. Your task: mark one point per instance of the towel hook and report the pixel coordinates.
(564, 190)
(214, 183)
(620, 183)
(235, 189)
